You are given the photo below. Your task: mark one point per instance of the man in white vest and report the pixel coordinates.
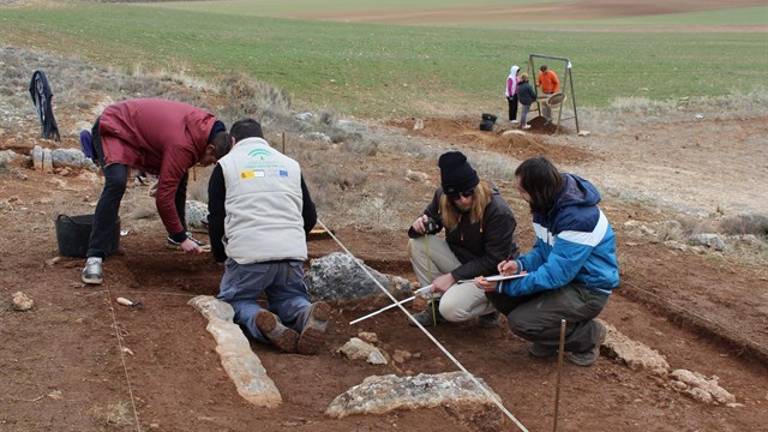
(260, 212)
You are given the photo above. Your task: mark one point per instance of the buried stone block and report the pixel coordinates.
(701, 388)
(635, 355)
(196, 214)
(240, 362)
(72, 158)
(380, 394)
(7, 156)
(336, 277)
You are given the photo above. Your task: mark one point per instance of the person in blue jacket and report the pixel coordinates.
(569, 273)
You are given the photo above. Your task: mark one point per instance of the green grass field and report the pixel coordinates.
(289, 8)
(383, 70)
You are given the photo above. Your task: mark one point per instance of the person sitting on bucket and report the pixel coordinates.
(479, 232)
(161, 137)
(260, 212)
(570, 272)
(549, 84)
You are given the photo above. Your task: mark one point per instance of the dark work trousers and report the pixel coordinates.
(536, 317)
(512, 107)
(108, 207)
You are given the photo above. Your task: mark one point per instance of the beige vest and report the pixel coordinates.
(263, 204)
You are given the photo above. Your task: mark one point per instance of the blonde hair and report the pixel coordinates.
(523, 76)
(451, 216)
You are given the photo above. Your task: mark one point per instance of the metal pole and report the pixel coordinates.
(283, 142)
(560, 108)
(560, 353)
(532, 76)
(573, 97)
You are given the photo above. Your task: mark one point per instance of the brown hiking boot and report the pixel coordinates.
(312, 338)
(281, 336)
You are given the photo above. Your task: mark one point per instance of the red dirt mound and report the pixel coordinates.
(518, 144)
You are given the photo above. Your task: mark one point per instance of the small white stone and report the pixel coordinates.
(22, 302)
(376, 358)
(369, 337)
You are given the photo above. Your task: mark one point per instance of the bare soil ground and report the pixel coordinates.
(703, 312)
(67, 343)
(572, 11)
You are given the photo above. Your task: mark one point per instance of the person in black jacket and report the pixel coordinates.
(526, 95)
(479, 231)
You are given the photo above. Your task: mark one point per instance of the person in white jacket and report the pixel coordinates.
(510, 92)
(260, 212)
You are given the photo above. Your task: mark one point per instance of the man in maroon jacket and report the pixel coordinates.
(160, 137)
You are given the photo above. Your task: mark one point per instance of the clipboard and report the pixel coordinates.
(498, 278)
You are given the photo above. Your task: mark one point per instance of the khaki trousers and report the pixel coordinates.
(431, 257)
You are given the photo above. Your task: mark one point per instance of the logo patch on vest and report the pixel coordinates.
(259, 153)
(250, 174)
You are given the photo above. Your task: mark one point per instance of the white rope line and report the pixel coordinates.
(122, 359)
(450, 356)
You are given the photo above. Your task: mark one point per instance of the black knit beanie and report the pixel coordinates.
(456, 175)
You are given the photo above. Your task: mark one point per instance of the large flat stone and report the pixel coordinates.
(238, 359)
(380, 394)
(336, 277)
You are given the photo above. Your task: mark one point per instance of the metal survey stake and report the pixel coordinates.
(560, 353)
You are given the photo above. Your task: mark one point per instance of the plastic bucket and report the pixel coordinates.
(74, 232)
(489, 117)
(486, 125)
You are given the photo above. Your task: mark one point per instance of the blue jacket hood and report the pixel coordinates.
(576, 192)
(575, 208)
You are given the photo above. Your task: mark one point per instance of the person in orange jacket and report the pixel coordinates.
(549, 84)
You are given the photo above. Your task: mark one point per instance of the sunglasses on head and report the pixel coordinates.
(463, 194)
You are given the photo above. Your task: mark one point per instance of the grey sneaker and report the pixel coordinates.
(587, 358)
(541, 351)
(92, 272)
(489, 321)
(281, 336)
(312, 337)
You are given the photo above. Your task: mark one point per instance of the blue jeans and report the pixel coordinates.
(283, 282)
(524, 115)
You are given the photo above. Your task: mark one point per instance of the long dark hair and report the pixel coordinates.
(542, 181)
